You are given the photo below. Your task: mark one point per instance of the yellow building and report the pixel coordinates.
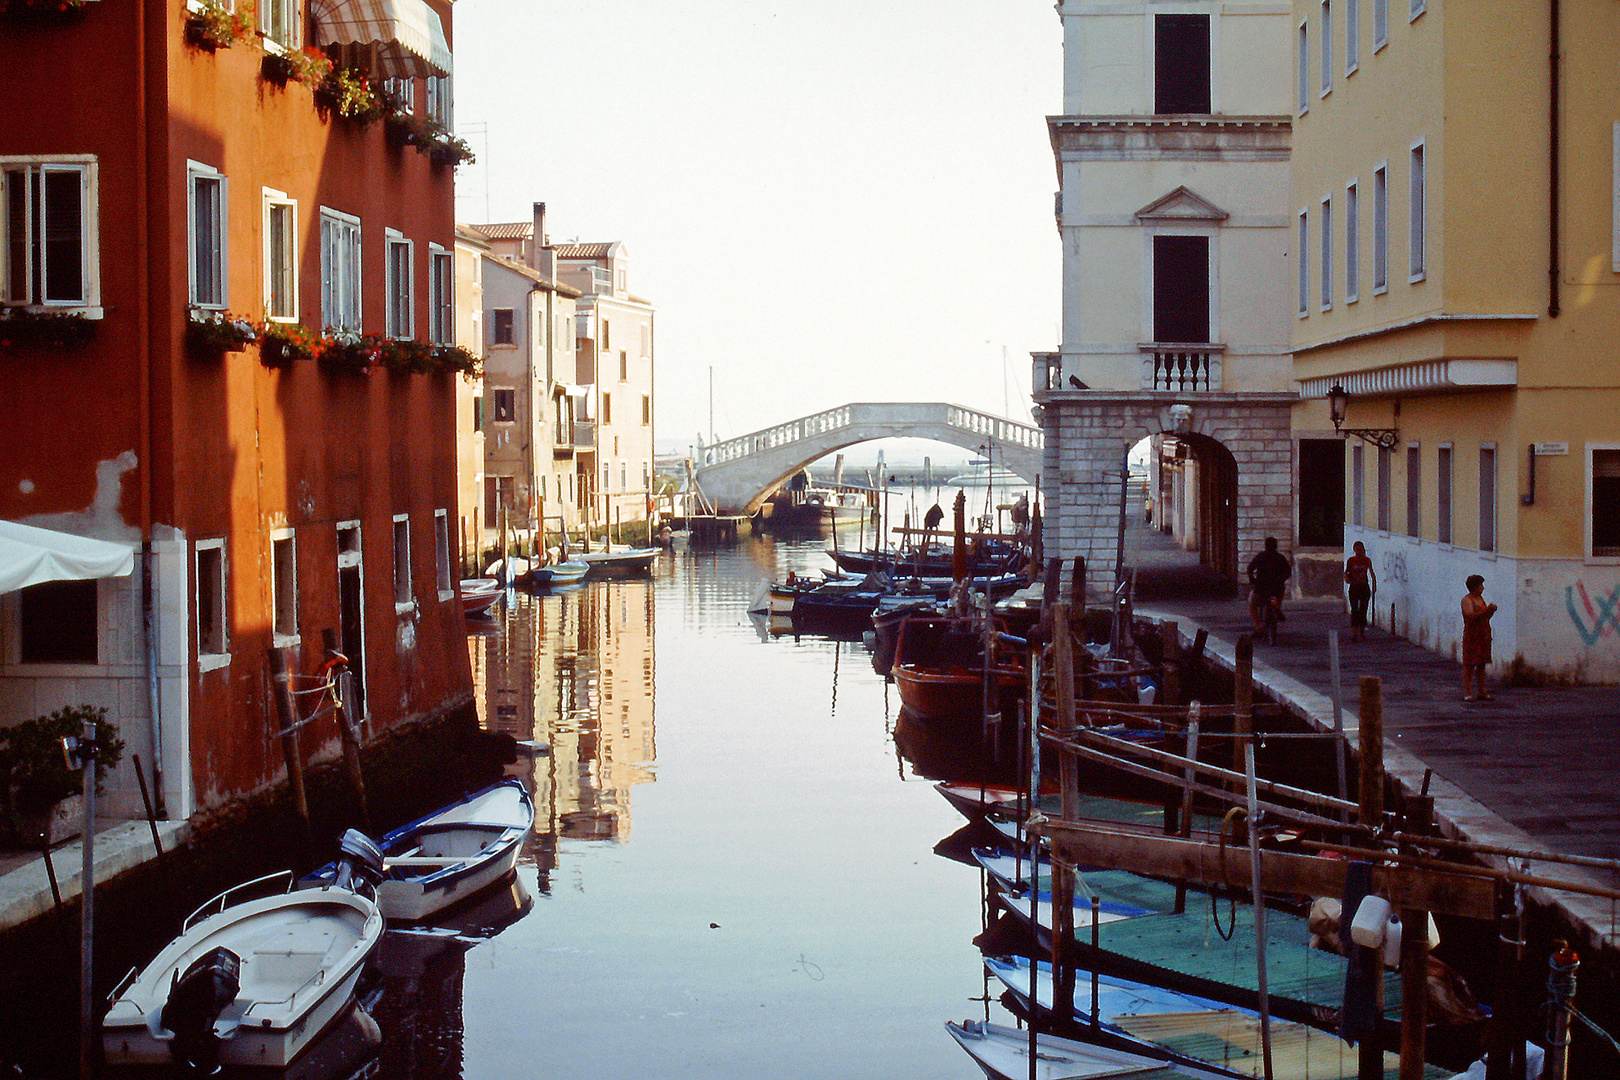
(1457, 242)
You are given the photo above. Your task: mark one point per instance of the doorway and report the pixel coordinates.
(352, 612)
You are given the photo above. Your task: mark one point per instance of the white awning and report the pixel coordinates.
(29, 556)
(389, 38)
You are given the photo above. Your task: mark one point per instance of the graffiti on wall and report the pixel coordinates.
(1594, 616)
(1394, 566)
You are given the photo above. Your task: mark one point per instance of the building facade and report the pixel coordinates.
(1172, 157)
(1456, 204)
(171, 177)
(472, 533)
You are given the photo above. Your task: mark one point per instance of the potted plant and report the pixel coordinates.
(282, 343)
(454, 358)
(211, 332)
(347, 93)
(63, 331)
(215, 26)
(39, 10)
(308, 66)
(43, 795)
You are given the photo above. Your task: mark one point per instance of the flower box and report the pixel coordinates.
(61, 331)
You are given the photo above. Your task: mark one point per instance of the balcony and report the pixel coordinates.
(1172, 367)
(1181, 367)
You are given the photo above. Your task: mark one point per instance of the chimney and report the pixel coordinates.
(542, 256)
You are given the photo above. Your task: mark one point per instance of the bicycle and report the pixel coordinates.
(1270, 615)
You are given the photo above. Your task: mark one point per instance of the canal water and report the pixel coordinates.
(732, 871)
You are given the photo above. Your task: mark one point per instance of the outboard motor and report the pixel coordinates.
(195, 1002)
(359, 863)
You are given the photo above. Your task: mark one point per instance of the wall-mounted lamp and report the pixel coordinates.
(1338, 402)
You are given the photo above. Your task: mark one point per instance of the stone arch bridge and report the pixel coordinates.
(738, 474)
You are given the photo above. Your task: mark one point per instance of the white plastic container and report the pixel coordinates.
(1372, 920)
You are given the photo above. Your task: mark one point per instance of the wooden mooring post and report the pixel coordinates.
(348, 727)
(286, 725)
(1419, 815)
(1370, 737)
(1069, 785)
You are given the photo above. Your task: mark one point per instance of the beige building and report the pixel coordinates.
(1456, 210)
(472, 539)
(1174, 215)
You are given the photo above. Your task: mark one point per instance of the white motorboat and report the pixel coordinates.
(1004, 1054)
(449, 855)
(617, 560)
(252, 981)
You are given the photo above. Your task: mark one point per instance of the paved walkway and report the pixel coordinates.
(25, 884)
(1536, 768)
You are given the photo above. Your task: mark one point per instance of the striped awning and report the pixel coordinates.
(389, 38)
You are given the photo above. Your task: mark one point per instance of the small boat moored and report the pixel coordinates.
(252, 981)
(449, 855)
(478, 595)
(1004, 1054)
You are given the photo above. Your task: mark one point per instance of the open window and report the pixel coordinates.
(1181, 288)
(1181, 76)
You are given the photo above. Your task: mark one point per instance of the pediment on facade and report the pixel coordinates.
(1182, 204)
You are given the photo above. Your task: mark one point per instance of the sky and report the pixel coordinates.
(849, 200)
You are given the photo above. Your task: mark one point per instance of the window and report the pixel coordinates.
(1605, 500)
(1380, 24)
(1357, 483)
(605, 343)
(280, 257)
(1327, 47)
(1321, 492)
(440, 103)
(403, 91)
(1352, 242)
(1417, 8)
(624, 366)
(1383, 488)
(500, 326)
(283, 588)
(51, 253)
(441, 296)
(607, 408)
(211, 636)
(1304, 264)
(1327, 254)
(1442, 496)
(505, 406)
(624, 482)
(1352, 36)
(206, 230)
(1414, 490)
(1181, 288)
(646, 339)
(278, 19)
(1181, 78)
(1487, 498)
(340, 271)
(402, 561)
(400, 321)
(57, 623)
(1303, 51)
(1417, 219)
(1380, 229)
(443, 556)
(646, 410)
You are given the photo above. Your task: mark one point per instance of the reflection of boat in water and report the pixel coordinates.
(1004, 1054)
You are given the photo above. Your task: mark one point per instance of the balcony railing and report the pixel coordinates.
(1192, 368)
(581, 435)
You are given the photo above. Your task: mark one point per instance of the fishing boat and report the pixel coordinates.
(617, 560)
(451, 854)
(1004, 1054)
(256, 973)
(478, 595)
(546, 577)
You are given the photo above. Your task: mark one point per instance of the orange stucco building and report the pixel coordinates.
(169, 168)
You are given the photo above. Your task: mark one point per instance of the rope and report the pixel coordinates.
(1231, 902)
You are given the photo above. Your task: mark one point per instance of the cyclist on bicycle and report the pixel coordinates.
(1269, 572)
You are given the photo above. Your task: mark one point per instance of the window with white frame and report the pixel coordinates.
(1380, 229)
(1414, 489)
(1380, 24)
(1358, 484)
(505, 405)
(206, 230)
(1303, 52)
(1603, 501)
(1352, 36)
(1327, 47)
(441, 296)
(340, 270)
(280, 257)
(1487, 498)
(443, 557)
(284, 587)
(278, 20)
(1327, 254)
(400, 321)
(1417, 220)
(1352, 242)
(403, 91)
(52, 255)
(1442, 494)
(212, 635)
(440, 101)
(402, 561)
(1181, 66)
(1304, 264)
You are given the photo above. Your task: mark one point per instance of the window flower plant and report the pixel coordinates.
(35, 773)
(429, 137)
(308, 66)
(280, 344)
(216, 26)
(347, 93)
(209, 331)
(62, 331)
(23, 10)
(448, 358)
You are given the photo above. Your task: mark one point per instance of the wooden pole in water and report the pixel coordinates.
(1188, 775)
(1242, 699)
(1259, 909)
(87, 906)
(349, 731)
(1415, 958)
(1338, 716)
(1069, 785)
(1370, 736)
(959, 553)
(286, 717)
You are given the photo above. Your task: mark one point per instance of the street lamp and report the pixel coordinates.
(1338, 402)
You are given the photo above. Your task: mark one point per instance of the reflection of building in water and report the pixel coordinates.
(574, 670)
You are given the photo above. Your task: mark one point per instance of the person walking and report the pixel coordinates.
(1476, 642)
(1363, 582)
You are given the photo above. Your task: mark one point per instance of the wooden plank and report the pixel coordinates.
(1206, 864)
